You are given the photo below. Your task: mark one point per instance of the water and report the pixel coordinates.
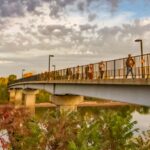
(143, 121)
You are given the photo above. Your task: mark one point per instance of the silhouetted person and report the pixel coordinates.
(129, 64)
(101, 69)
(69, 73)
(86, 72)
(78, 72)
(74, 73)
(91, 71)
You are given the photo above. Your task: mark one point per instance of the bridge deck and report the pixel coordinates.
(104, 81)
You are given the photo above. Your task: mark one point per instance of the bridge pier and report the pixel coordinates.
(66, 102)
(18, 97)
(12, 93)
(29, 99)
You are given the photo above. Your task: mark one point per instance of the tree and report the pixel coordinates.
(3, 90)
(11, 78)
(42, 96)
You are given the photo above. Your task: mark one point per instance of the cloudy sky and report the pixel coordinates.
(75, 31)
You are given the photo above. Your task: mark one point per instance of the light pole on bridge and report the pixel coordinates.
(49, 63)
(142, 60)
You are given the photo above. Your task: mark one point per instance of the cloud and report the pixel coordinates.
(30, 30)
(11, 8)
(58, 8)
(32, 4)
(5, 62)
(91, 17)
(87, 27)
(81, 6)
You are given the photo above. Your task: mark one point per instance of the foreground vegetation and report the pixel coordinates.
(3, 90)
(103, 130)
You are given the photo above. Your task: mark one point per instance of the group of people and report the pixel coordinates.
(87, 71)
(130, 62)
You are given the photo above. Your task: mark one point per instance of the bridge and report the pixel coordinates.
(68, 86)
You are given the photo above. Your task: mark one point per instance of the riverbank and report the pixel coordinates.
(83, 104)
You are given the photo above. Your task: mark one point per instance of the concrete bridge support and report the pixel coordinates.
(12, 93)
(18, 97)
(29, 99)
(67, 102)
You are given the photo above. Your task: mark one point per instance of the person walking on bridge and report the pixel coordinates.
(129, 64)
(101, 69)
(87, 72)
(91, 71)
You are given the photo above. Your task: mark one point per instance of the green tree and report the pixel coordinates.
(3, 90)
(12, 78)
(42, 96)
(109, 130)
(116, 130)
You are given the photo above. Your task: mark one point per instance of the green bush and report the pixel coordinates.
(42, 96)
(3, 94)
(108, 130)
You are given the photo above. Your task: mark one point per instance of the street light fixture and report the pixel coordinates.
(142, 60)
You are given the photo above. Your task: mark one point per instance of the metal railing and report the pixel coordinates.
(113, 69)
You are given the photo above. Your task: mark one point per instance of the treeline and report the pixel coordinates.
(42, 96)
(3, 90)
(4, 81)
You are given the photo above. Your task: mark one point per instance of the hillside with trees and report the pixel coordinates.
(3, 87)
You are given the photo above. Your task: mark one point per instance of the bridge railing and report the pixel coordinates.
(113, 69)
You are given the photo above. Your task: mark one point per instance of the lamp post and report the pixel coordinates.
(23, 72)
(142, 60)
(54, 71)
(49, 63)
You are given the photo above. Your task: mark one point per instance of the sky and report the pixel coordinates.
(76, 32)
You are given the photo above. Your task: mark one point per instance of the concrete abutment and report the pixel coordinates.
(26, 97)
(18, 97)
(29, 99)
(12, 93)
(67, 102)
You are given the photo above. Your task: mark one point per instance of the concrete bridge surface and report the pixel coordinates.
(135, 91)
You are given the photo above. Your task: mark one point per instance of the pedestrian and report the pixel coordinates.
(78, 72)
(69, 73)
(101, 69)
(74, 73)
(91, 71)
(86, 72)
(129, 64)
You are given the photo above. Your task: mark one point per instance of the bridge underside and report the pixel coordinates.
(135, 94)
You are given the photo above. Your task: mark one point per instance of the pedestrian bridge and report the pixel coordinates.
(80, 81)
